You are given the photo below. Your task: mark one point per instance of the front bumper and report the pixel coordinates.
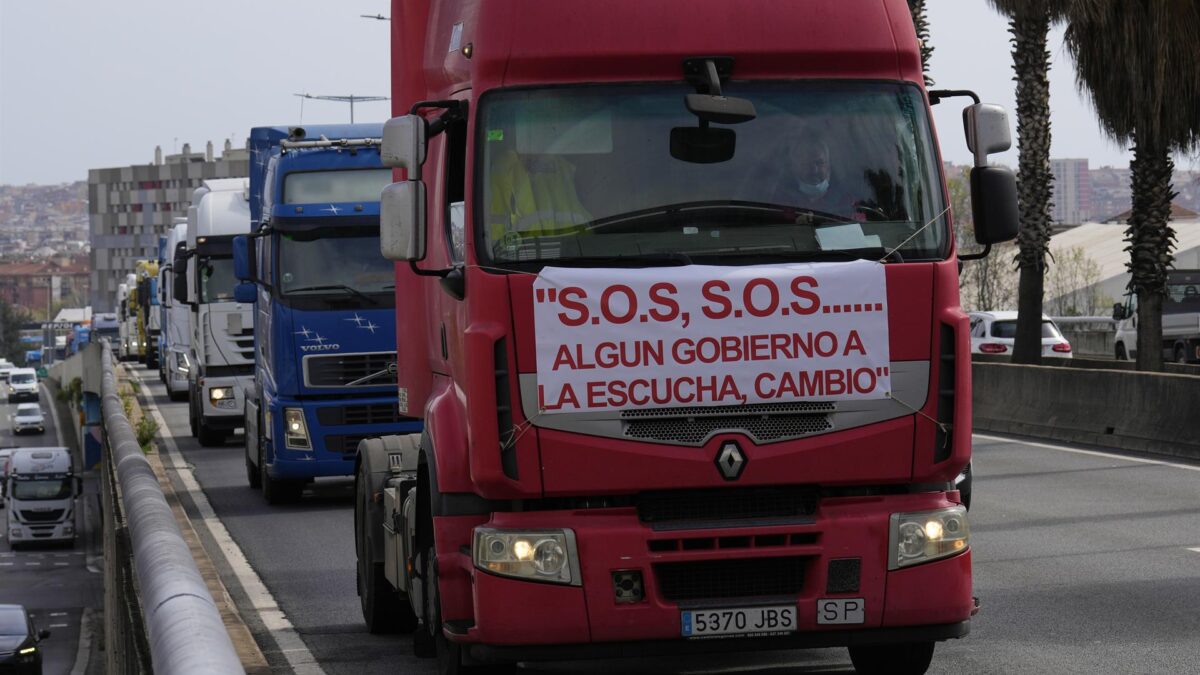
(22, 428)
(49, 533)
(333, 446)
(932, 601)
(23, 395)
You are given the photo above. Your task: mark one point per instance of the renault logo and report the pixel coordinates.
(730, 461)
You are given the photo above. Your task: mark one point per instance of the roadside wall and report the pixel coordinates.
(1129, 410)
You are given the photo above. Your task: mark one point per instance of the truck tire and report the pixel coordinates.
(277, 491)
(192, 398)
(903, 659)
(1180, 354)
(384, 609)
(1121, 354)
(252, 443)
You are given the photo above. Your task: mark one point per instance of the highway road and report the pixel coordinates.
(1085, 562)
(59, 585)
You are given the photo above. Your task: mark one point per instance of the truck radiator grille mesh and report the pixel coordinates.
(375, 413)
(42, 516)
(717, 579)
(726, 504)
(367, 370)
(763, 428)
(797, 407)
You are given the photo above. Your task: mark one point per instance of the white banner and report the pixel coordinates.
(699, 335)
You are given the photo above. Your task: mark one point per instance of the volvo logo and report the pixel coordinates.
(730, 460)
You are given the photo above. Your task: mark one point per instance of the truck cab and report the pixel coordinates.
(175, 342)
(127, 323)
(145, 307)
(221, 355)
(41, 488)
(325, 307)
(683, 324)
(1180, 320)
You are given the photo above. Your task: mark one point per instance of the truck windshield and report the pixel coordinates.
(49, 488)
(217, 280)
(22, 378)
(319, 187)
(826, 169)
(334, 263)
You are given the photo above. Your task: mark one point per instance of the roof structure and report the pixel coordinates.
(1104, 244)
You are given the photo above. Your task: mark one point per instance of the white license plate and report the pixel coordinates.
(841, 611)
(738, 621)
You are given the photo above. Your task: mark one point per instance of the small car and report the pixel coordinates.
(28, 417)
(996, 332)
(20, 641)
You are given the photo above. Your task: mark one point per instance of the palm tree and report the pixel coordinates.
(921, 24)
(1138, 62)
(1029, 24)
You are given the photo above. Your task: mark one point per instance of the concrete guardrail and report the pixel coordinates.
(1116, 408)
(184, 627)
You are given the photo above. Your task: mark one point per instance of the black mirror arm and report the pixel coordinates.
(987, 248)
(936, 95)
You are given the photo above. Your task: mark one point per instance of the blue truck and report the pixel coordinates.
(325, 315)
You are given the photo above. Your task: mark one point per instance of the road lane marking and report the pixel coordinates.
(1195, 550)
(58, 564)
(6, 564)
(58, 625)
(1093, 453)
(290, 643)
(84, 650)
(58, 613)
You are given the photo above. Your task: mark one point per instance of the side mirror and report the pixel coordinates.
(403, 145)
(994, 204)
(43, 634)
(987, 130)
(243, 258)
(1119, 311)
(402, 221)
(245, 292)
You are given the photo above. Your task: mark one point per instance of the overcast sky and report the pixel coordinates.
(87, 84)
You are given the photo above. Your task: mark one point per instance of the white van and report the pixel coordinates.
(22, 385)
(40, 498)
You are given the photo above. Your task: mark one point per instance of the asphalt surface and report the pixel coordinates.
(1084, 563)
(58, 584)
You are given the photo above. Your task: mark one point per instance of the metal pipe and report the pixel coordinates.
(186, 633)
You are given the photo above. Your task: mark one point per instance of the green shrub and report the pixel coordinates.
(146, 429)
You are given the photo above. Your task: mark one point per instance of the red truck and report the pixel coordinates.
(682, 323)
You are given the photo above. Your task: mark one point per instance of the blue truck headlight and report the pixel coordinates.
(536, 555)
(222, 397)
(916, 538)
(295, 430)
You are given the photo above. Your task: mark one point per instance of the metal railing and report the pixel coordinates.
(166, 608)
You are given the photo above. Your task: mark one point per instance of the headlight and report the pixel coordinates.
(295, 431)
(917, 538)
(543, 555)
(222, 397)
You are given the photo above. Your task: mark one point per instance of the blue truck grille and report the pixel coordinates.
(374, 413)
(376, 369)
(345, 444)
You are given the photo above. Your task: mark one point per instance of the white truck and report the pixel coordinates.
(22, 385)
(1180, 320)
(221, 351)
(176, 330)
(41, 488)
(127, 314)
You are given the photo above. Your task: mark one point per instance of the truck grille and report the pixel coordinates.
(765, 423)
(374, 413)
(340, 370)
(691, 506)
(42, 516)
(718, 579)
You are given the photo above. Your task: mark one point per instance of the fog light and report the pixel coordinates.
(627, 587)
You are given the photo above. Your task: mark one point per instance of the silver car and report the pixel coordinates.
(28, 417)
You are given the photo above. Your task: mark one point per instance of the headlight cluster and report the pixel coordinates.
(542, 555)
(295, 431)
(928, 535)
(222, 397)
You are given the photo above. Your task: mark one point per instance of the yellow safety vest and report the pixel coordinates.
(534, 196)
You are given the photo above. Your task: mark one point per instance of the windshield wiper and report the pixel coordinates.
(335, 287)
(678, 258)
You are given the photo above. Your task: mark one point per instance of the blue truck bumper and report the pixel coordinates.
(335, 428)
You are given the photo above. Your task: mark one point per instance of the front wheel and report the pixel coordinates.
(277, 491)
(1180, 354)
(1122, 355)
(384, 609)
(209, 437)
(903, 659)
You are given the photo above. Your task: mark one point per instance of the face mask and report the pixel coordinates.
(817, 190)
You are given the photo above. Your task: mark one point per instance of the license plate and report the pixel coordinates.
(698, 623)
(841, 611)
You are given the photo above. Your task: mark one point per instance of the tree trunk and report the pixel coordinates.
(1151, 240)
(1031, 65)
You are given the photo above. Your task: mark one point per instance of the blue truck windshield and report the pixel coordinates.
(320, 187)
(316, 264)
(217, 280)
(600, 172)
